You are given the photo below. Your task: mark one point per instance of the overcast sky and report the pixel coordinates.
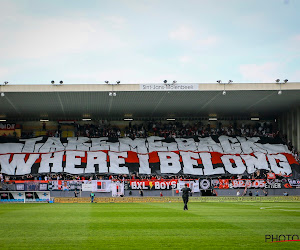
(148, 41)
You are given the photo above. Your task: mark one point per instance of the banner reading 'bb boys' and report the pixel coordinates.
(153, 155)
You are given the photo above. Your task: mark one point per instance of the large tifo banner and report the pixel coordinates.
(210, 156)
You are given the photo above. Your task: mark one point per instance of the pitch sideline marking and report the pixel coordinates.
(272, 208)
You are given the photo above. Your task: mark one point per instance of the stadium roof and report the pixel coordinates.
(97, 101)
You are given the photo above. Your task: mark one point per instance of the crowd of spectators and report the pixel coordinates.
(174, 129)
(158, 128)
(103, 129)
(259, 174)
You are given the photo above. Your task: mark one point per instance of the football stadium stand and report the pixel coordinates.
(119, 139)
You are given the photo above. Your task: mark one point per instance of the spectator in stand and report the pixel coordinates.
(1, 177)
(271, 175)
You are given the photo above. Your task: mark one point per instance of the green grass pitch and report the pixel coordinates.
(148, 225)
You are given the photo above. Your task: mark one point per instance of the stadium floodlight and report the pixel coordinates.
(128, 119)
(107, 82)
(118, 82)
(165, 81)
(61, 82)
(171, 119)
(220, 82)
(52, 82)
(254, 118)
(86, 119)
(2, 94)
(5, 83)
(212, 119)
(44, 120)
(278, 82)
(2, 120)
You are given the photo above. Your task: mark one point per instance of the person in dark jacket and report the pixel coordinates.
(185, 196)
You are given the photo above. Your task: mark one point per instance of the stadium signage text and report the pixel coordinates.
(241, 183)
(7, 126)
(169, 87)
(273, 184)
(294, 183)
(153, 184)
(146, 155)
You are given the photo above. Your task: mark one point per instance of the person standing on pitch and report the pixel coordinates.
(185, 196)
(92, 197)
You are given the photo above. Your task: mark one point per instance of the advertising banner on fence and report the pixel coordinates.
(19, 196)
(84, 185)
(31, 185)
(87, 187)
(294, 183)
(65, 185)
(102, 185)
(210, 156)
(242, 183)
(193, 185)
(153, 184)
(117, 188)
(246, 183)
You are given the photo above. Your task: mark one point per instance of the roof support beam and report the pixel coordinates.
(61, 104)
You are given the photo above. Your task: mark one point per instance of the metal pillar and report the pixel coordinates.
(298, 128)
